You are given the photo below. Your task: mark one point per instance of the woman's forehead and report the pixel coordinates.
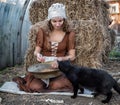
(57, 18)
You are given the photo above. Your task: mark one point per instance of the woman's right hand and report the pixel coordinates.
(40, 58)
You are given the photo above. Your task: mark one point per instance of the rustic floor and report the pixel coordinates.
(13, 99)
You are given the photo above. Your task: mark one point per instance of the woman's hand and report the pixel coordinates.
(54, 65)
(40, 58)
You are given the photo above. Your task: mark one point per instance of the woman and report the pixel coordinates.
(58, 43)
(59, 40)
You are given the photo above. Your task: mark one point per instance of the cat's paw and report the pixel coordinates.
(81, 93)
(95, 94)
(104, 101)
(73, 96)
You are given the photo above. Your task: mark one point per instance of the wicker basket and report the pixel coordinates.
(44, 71)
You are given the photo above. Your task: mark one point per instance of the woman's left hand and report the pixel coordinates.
(54, 64)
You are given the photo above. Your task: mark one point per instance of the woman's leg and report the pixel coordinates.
(60, 83)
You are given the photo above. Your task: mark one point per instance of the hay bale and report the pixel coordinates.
(38, 10)
(75, 9)
(89, 43)
(89, 19)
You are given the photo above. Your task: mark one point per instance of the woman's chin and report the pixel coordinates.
(57, 28)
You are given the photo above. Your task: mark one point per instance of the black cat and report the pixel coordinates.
(81, 77)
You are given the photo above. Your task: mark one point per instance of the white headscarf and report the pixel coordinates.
(56, 10)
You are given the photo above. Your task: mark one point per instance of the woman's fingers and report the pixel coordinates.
(54, 64)
(40, 58)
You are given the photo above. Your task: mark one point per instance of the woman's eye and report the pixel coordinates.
(54, 21)
(60, 20)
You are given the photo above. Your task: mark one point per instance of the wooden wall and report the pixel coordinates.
(14, 27)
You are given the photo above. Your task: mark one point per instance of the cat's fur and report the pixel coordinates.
(81, 77)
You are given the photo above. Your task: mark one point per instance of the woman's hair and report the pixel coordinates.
(65, 26)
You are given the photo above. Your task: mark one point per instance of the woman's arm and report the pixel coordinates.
(39, 44)
(71, 56)
(71, 47)
(37, 50)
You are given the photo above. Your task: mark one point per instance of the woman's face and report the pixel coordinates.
(57, 22)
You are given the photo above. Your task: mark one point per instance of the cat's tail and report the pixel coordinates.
(116, 87)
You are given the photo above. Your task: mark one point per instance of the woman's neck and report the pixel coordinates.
(57, 35)
(57, 30)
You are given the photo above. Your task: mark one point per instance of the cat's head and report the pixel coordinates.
(64, 66)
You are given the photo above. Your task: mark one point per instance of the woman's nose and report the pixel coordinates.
(57, 24)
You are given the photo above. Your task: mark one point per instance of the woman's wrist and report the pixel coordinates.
(59, 58)
(37, 54)
(63, 58)
(67, 57)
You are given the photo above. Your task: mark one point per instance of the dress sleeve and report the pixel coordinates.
(71, 39)
(39, 38)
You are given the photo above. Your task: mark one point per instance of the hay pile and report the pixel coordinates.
(89, 19)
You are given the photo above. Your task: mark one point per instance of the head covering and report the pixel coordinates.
(56, 10)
